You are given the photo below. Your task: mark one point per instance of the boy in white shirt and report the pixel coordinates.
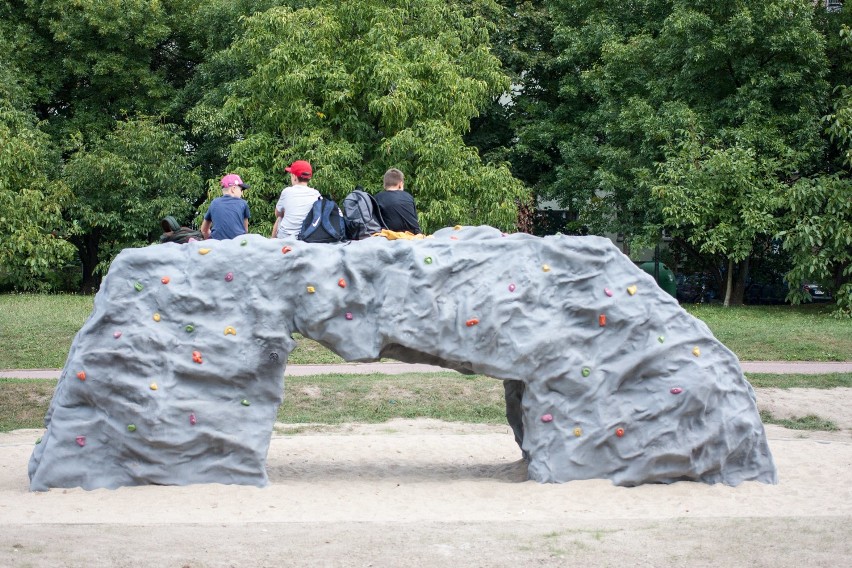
(295, 201)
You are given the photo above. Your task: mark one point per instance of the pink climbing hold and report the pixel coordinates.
(349, 315)
(192, 419)
(608, 292)
(547, 418)
(511, 287)
(81, 441)
(676, 390)
(229, 276)
(116, 334)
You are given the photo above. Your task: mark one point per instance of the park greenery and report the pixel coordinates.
(724, 126)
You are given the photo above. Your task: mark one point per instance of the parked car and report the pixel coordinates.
(695, 288)
(816, 292)
(774, 292)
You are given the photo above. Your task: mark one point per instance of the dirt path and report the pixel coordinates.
(426, 493)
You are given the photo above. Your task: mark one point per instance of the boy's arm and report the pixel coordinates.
(205, 228)
(279, 214)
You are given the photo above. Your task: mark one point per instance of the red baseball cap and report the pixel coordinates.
(300, 169)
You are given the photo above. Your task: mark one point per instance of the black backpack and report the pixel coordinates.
(363, 217)
(324, 223)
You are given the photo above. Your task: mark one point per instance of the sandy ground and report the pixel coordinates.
(427, 493)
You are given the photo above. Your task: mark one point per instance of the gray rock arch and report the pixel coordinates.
(177, 375)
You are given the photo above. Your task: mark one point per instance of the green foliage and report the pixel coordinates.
(124, 183)
(358, 87)
(809, 422)
(820, 238)
(30, 201)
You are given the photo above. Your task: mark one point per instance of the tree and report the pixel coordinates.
(30, 200)
(659, 94)
(358, 87)
(123, 184)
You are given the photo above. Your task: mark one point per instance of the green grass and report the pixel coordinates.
(809, 422)
(36, 332)
(795, 381)
(779, 333)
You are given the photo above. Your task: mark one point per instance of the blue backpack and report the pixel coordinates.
(324, 223)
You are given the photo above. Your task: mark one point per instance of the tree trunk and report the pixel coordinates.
(87, 249)
(740, 283)
(729, 284)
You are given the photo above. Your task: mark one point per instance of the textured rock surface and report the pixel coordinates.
(650, 396)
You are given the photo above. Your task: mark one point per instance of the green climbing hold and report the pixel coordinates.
(131, 427)
(38, 441)
(661, 339)
(428, 260)
(190, 328)
(586, 371)
(245, 402)
(243, 242)
(138, 286)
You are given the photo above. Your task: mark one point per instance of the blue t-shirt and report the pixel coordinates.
(227, 213)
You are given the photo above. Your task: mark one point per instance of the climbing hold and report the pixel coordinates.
(131, 427)
(116, 334)
(138, 286)
(243, 242)
(471, 322)
(341, 283)
(190, 328)
(545, 267)
(631, 289)
(81, 375)
(586, 371)
(661, 338)
(285, 250)
(349, 315)
(245, 402)
(153, 386)
(602, 320)
(696, 351)
(273, 356)
(230, 331)
(203, 251)
(81, 441)
(454, 238)
(511, 287)
(428, 260)
(457, 228)
(311, 289)
(547, 418)
(38, 441)
(578, 432)
(196, 357)
(165, 279)
(192, 419)
(608, 292)
(619, 432)
(156, 317)
(229, 276)
(676, 390)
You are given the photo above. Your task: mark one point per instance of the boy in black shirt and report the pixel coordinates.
(397, 205)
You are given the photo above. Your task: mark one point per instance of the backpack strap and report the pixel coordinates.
(338, 232)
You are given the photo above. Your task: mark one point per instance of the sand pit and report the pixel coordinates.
(426, 493)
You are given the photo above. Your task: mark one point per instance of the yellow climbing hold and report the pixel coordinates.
(631, 290)
(457, 228)
(696, 351)
(311, 289)
(545, 267)
(156, 317)
(578, 432)
(230, 331)
(154, 386)
(203, 251)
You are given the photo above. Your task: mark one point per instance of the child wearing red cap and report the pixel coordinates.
(295, 202)
(227, 217)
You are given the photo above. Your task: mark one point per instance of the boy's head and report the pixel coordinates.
(232, 184)
(301, 169)
(394, 179)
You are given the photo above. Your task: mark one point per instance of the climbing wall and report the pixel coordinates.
(177, 375)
